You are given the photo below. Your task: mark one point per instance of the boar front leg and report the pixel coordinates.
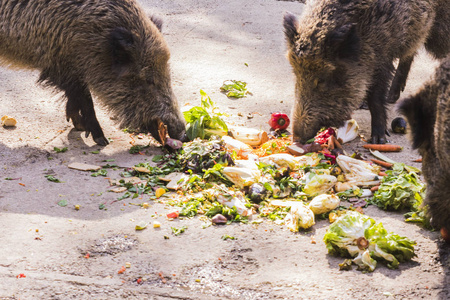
(80, 109)
(399, 81)
(376, 100)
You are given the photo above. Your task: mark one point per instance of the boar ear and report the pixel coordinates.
(121, 43)
(344, 42)
(157, 21)
(420, 111)
(290, 23)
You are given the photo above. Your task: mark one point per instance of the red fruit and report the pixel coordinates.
(279, 121)
(173, 215)
(323, 136)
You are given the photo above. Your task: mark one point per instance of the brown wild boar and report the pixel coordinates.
(428, 115)
(437, 43)
(342, 53)
(109, 49)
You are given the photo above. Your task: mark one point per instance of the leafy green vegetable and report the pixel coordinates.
(199, 156)
(60, 150)
(228, 237)
(190, 208)
(52, 178)
(358, 236)
(234, 88)
(101, 172)
(399, 189)
(202, 118)
(178, 231)
(62, 203)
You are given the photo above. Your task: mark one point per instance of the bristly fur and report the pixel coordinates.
(420, 110)
(342, 53)
(107, 48)
(428, 114)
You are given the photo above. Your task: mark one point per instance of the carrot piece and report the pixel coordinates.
(336, 142)
(374, 188)
(382, 163)
(382, 174)
(383, 147)
(418, 160)
(330, 143)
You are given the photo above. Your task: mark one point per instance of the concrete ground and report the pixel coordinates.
(211, 41)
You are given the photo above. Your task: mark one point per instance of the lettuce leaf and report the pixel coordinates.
(399, 190)
(359, 236)
(203, 121)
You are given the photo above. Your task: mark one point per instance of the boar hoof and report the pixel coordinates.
(101, 141)
(378, 140)
(98, 138)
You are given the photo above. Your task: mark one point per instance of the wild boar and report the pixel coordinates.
(428, 115)
(109, 49)
(437, 44)
(342, 53)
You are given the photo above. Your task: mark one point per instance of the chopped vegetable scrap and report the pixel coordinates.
(52, 178)
(8, 121)
(274, 146)
(358, 236)
(178, 231)
(234, 88)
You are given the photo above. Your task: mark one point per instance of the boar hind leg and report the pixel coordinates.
(376, 100)
(80, 109)
(399, 81)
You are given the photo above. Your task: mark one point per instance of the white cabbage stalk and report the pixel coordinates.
(241, 176)
(307, 160)
(241, 148)
(348, 132)
(319, 184)
(358, 172)
(249, 136)
(324, 203)
(300, 216)
(280, 160)
(245, 163)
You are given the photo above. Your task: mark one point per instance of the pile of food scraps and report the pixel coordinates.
(227, 180)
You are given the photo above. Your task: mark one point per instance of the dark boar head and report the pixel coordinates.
(134, 82)
(325, 60)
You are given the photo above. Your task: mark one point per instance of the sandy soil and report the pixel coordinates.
(211, 41)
